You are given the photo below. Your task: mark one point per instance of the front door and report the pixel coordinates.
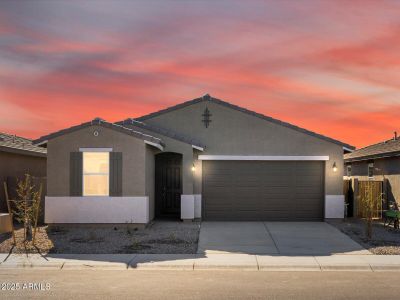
(168, 185)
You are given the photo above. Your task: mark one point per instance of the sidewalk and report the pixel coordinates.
(370, 263)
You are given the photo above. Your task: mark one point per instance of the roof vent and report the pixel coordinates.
(97, 120)
(206, 97)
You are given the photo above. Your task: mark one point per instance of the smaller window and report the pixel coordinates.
(348, 170)
(371, 170)
(96, 172)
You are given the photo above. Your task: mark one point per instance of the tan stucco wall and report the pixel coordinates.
(133, 158)
(233, 132)
(15, 165)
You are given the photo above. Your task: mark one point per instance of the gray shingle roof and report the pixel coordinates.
(246, 111)
(17, 144)
(103, 123)
(162, 131)
(384, 149)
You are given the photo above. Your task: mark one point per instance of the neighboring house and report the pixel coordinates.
(204, 158)
(379, 162)
(18, 156)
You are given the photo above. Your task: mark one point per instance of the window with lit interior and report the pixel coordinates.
(96, 172)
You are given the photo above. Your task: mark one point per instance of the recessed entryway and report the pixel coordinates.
(168, 185)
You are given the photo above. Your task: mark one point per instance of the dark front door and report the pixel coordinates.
(168, 185)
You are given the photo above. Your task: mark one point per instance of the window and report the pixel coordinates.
(371, 170)
(348, 170)
(96, 172)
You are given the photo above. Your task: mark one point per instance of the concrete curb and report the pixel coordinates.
(190, 262)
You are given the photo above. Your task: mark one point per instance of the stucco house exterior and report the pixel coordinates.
(378, 162)
(204, 158)
(18, 156)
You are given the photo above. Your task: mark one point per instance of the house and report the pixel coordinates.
(378, 162)
(204, 158)
(18, 156)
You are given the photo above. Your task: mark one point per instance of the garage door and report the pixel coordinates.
(263, 190)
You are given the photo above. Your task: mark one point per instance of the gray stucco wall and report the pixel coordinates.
(385, 168)
(233, 132)
(150, 178)
(133, 158)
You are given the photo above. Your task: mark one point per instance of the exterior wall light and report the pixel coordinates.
(193, 168)
(334, 167)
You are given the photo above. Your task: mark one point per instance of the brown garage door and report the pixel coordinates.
(263, 190)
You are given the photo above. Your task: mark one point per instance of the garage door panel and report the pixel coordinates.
(308, 180)
(263, 190)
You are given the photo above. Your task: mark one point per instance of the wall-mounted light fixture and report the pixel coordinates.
(193, 168)
(334, 167)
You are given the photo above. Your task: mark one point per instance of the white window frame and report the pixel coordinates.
(102, 174)
(370, 165)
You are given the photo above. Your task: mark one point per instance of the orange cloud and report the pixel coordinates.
(116, 63)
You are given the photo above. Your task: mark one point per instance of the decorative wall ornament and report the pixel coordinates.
(206, 117)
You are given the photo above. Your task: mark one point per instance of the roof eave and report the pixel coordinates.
(374, 156)
(98, 122)
(22, 151)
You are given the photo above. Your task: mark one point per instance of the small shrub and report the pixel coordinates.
(27, 208)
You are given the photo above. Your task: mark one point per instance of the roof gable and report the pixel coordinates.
(246, 111)
(102, 123)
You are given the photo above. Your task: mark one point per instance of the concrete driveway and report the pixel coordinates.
(279, 238)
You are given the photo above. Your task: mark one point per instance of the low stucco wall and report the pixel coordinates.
(75, 210)
(334, 207)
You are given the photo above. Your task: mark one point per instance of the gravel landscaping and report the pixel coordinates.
(167, 237)
(385, 240)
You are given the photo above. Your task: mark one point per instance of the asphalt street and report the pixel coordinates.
(134, 284)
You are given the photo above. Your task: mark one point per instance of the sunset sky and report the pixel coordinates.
(329, 66)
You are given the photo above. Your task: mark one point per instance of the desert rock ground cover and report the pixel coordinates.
(385, 240)
(158, 237)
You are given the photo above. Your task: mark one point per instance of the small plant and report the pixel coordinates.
(172, 236)
(26, 208)
(129, 227)
(136, 245)
(370, 206)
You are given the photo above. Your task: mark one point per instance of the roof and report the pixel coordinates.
(102, 123)
(159, 130)
(246, 111)
(17, 144)
(387, 148)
